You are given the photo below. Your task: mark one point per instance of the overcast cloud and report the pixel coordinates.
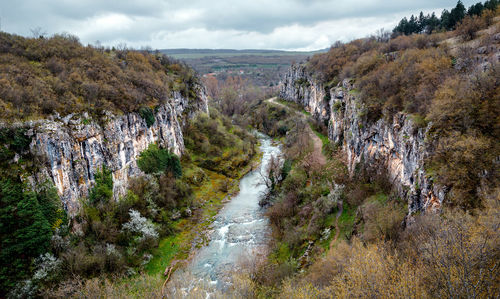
(252, 24)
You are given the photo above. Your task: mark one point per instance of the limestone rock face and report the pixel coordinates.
(74, 148)
(297, 86)
(398, 146)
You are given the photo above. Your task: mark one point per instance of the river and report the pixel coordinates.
(240, 231)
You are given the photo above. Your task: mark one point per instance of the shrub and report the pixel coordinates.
(24, 230)
(103, 186)
(382, 221)
(44, 75)
(142, 227)
(147, 114)
(469, 27)
(155, 160)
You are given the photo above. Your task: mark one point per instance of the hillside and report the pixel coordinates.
(91, 140)
(410, 128)
(41, 76)
(423, 78)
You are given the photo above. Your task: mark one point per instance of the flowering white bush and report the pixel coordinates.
(47, 264)
(325, 234)
(336, 193)
(23, 289)
(146, 258)
(140, 225)
(111, 250)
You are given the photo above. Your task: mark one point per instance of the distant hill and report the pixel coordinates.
(198, 53)
(261, 67)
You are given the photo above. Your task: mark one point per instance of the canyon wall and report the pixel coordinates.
(398, 146)
(72, 149)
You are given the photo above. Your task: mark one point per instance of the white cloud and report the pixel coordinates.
(97, 24)
(184, 16)
(240, 24)
(292, 37)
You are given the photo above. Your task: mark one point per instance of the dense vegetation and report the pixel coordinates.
(449, 19)
(215, 144)
(44, 254)
(28, 218)
(453, 256)
(441, 79)
(369, 252)
(156, 160)
(40, 76)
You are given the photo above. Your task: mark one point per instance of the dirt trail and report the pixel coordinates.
(318, 149)
(340, 206)
(317, 143)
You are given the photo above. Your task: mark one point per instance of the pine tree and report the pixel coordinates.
(446, 20)
(422, 22)
(475, 10)
(25, 233)
(401, 28)
(491, 4)
(103, 187)
(457, 14)
(412, 25)
(432, 23)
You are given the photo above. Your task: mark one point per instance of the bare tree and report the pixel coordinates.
(270, 177)
(98, 46)
(122, 47)
(38, 32)
(382, 35)
(299, 143)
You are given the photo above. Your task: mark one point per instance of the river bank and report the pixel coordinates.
(192, 232)
(239, 233)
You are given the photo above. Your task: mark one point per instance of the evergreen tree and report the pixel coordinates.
(475, 10)
(456, 15)
(491, 4)
(25, 233)
(412, 25)
(432, 23)
(156, 160)
(401, 28)
(103, 187)
(446, 20)
(422, 22)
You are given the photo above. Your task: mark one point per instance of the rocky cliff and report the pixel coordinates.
(398, 146)
(73, 148)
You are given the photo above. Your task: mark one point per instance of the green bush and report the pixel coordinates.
(103, 188)
(25, 230)
(155, 160)
(147, 114)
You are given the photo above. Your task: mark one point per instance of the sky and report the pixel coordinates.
(215, 24)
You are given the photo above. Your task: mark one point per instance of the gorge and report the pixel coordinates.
(397, 145)
(367, 170)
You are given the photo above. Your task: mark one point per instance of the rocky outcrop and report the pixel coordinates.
(72, 149)
(299, 87)
(398, 146)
